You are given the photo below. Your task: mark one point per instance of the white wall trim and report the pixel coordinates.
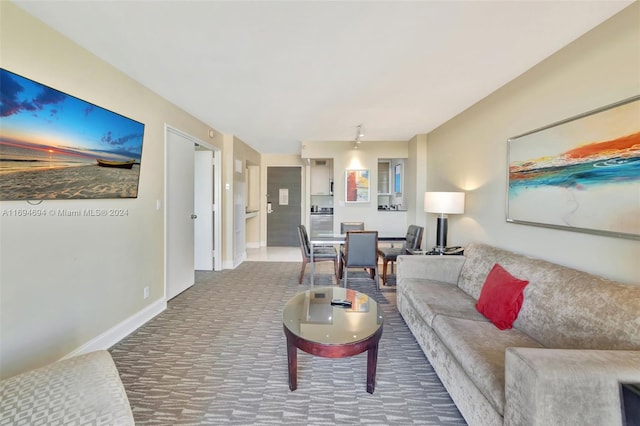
(121, 330)
(228, 264)
(243, 257)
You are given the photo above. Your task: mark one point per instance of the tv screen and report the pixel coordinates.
(56, 146)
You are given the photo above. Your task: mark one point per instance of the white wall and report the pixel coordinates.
(67, 280)
(469, 151)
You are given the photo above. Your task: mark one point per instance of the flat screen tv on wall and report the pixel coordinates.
(56, 146)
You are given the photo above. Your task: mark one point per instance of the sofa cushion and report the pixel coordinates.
(480, 348)
(563, 308)
(577, 310)
(501, 297)
(432, 298)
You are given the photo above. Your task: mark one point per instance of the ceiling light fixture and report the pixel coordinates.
(359, 135)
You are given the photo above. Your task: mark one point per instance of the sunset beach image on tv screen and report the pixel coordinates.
(56, 146)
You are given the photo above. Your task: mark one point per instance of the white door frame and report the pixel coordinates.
(217, 199)
(217, 207)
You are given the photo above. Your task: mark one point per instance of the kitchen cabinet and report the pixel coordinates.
(321, 177)
(383, 177)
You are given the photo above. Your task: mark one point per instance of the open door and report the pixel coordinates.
(203, 207)
(179, 199)
(192, 225)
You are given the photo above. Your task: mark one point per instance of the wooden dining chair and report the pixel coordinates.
(320, 254)
(413, 240)
(360, 251)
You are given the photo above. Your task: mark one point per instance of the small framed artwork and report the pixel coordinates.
(357, 184)
(397, 178)
(581, 174)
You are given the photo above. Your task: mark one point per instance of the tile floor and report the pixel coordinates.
(282, 254)
(274, 254)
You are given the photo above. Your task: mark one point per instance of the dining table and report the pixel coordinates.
(331, 239)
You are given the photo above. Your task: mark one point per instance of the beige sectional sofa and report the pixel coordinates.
(576, 338)
(83, 390)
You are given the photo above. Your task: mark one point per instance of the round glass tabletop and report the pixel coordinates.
(311, 316)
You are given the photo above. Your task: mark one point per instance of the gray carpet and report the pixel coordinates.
(217, 355)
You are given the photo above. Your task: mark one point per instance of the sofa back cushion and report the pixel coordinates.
(562, 308)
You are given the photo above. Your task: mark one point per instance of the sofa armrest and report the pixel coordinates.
(566, 386)
(437, 268)
(83, 389)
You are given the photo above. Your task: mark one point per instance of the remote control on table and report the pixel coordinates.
(341, 302)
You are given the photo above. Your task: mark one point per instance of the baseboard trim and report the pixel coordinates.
(234, 263)
(121, 330)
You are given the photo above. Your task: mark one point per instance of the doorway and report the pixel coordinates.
(284, 205)
(192, 181)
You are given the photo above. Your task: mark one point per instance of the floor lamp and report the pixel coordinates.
(443, 203)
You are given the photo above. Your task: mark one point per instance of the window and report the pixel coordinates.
(397, 179)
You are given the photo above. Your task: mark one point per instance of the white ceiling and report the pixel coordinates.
(275, 73)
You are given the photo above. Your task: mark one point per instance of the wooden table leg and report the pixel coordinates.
(292, 358)
(372, 364)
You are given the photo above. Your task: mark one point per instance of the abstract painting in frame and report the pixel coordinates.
(357, 186)
(580, 174)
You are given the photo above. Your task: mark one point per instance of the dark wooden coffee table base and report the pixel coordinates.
(369, 344)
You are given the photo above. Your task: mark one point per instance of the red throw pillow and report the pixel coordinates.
(501, 297)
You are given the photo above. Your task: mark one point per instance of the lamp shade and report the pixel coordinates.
(444, 202)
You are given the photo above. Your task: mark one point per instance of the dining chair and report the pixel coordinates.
(320, 254)
(344, 228)
(360, 251)
(413, 240)
(351, 226)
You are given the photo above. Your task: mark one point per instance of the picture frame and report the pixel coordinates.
(580, 174)
(357, 185)
(56, 146)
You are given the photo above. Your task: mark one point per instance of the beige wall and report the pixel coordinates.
(469, 151)
(66, 280)
(416, 177)
(235, 195)
(365, 157)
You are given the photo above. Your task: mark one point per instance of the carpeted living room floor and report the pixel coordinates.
(217, 355)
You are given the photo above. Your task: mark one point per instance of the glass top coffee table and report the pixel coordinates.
(311, 323)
